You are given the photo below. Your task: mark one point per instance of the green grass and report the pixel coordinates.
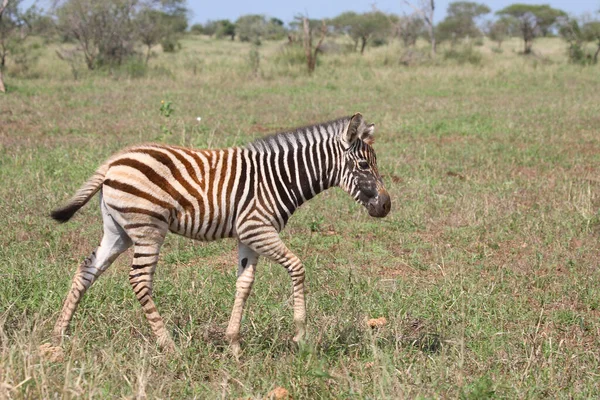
(486, 269)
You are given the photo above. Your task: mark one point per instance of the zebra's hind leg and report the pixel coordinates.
(247, 260)
(145, 258)
(114, 242)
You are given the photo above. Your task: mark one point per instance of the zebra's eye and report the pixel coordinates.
(363, 165)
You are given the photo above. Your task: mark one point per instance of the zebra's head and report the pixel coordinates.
(360, 176)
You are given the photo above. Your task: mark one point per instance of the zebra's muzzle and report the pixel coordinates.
(380, 206)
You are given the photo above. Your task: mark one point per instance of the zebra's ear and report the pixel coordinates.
(368, 134)
(354, 129)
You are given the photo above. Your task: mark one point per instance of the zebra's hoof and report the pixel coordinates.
(235, 349)
(300, 336)
(167, 344)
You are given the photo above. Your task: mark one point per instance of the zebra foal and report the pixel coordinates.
(247, 193)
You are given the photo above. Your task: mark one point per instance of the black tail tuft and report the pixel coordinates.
(65, 213)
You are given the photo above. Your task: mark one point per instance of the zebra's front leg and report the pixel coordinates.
(271, 245)
(247, 260)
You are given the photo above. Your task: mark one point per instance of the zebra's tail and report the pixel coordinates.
(81, 197)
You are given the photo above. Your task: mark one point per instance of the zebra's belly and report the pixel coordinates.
(203, 227)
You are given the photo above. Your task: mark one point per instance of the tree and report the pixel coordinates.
(106, 31)
(534, 20)
(425, 10)
(275, 29)
(499, 30)
(309, 27)
(103, 29)
(591, 33)
(150, 28)
(3, 8)
(363, 27)
(250, 28)
(224, 28)
(460, 21)
(197, 29)
(15, 26)
(408, 28)
(577, 35)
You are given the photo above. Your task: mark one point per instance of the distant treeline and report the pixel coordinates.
(109, 32)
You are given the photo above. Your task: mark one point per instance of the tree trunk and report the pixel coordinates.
(308, 46)
(363, 44)
(148, 54)
(431, 28)
(596, 54)
(527, 47)
(311, 57)
(2, 87)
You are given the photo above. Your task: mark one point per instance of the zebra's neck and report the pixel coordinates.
(300, 164)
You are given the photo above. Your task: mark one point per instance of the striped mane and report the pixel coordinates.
(296, 135)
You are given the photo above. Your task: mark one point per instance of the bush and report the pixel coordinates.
(254, 59)
(464, 55)
(578, 55)
(412, 56)
(135, 67)
(197, 29)
(24, 57)
(170, 45)
(377, 42)
(290, 54)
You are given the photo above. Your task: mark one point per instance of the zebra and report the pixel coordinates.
(247, 193)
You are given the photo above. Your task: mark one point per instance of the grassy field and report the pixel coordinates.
(487, 268)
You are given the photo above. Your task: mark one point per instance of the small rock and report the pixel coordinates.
(51, 353)
(377, 322)
(279, 393)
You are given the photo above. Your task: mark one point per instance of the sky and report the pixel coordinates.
(286, 10)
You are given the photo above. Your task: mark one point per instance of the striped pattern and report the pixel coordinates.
(247, 193)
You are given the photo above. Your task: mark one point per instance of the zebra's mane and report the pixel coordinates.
(297, 135)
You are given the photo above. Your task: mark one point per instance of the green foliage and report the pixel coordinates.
(409, 28)
(460, 21)
(463, 55)
(103, 30)
(166, 111)
(577, 36)
(166, 108)
(254, 59)
(480, 389)
(135, 67)
(501, 29)
(107, 31)
(534, 20)
(197, 29)
(223, 28)
(16, 25)
(290, 55)
(253, 28)
(24, 55)
(170, 44)
(363, 28)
